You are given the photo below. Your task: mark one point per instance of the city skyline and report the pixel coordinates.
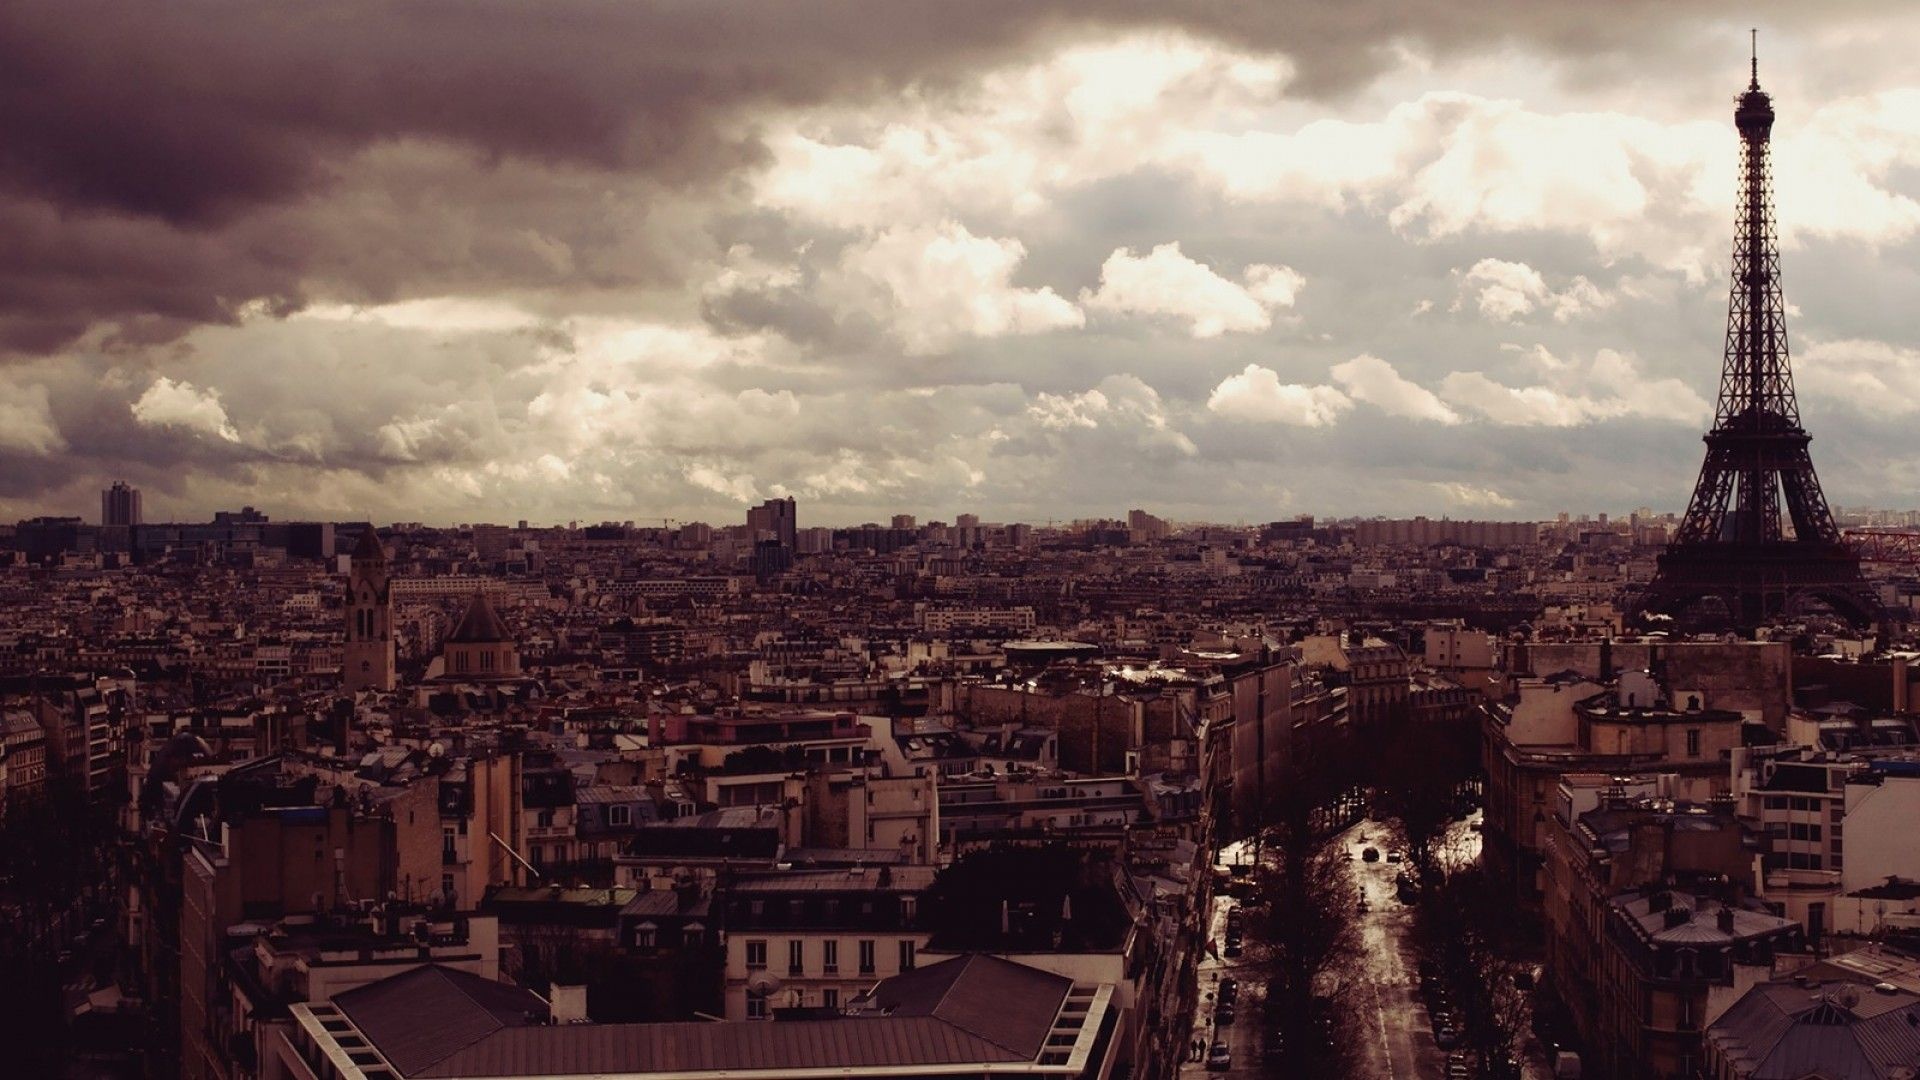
(1125, 262)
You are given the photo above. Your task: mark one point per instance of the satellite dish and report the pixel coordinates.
(763, 983)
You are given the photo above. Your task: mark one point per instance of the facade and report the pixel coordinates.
(480, 646)
(367, 658)
(777, 519)
(120, 505)
(801, 939)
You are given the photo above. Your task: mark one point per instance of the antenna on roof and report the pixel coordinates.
(1754, 42)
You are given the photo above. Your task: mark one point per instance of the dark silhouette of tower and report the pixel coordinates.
(1737, 548)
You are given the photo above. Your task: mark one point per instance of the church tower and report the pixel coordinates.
(367, 658)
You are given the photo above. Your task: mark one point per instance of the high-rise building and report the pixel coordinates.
(367, 658)
(778, 518)
(903, 521)
(120, 504)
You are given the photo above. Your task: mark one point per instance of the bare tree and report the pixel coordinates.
(1468, 938)
(1304, 928)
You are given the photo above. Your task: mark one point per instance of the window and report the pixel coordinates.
(796, 956)
(866, 957)
(756, 1005)
(645, 936)
(1800, 831)
(536, 855)
(447, 850)
(830, 956)
(619, 815)
(756, 955)
(906, 956)
(1693, 742)
(545, 818)
(1776, 802)
(830, 997)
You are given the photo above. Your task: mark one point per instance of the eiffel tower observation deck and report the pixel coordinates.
(1758, 542)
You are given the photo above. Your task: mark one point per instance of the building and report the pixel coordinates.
(1567, 723)
(313, 958)
(802, 939)
(120, 504)
(1856, 1017)
(480, 646)
(367, 658)
(23, 753)
(775, 519)
(973, 1015)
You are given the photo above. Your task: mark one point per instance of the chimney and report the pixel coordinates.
(1659, 901)
(1678, 916)
(569, 1004)
(1726, 920)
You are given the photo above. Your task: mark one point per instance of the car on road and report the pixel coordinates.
(1396, 856)
(1233, 950)
(1229, 991)
(1446, 1037)
(1371, 854)
(1219, 1057)
(1223, 1014)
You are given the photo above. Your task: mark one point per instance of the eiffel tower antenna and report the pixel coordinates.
(1754, 35)
(1758, 540)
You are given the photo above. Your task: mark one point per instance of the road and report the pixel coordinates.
(1390, 1025)
(1243, 1036)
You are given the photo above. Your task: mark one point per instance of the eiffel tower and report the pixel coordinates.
(1734, 552)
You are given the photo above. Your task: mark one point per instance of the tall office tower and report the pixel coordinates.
(367, 659)
(1736, 558)
(903, 521)
(120, 504)
(777, 517)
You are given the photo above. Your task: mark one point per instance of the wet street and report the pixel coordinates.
(1395, 1039)
(1242, 1037)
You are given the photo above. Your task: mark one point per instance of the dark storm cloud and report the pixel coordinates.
(134, 134)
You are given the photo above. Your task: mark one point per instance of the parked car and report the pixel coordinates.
(1396, 856)
(1229, 991)
(1233, 950)
(1446, 1037)
(1219, 1057)
(1223, 1014)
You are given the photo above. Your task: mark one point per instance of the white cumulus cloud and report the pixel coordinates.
(1505, 291)
(182, 405)
(1165, 282)
(937, 285)
(1258, 394)
(1608, 386)
(1471, 495)
(1376, 382)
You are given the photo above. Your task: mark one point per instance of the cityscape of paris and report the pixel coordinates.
(1070, 540)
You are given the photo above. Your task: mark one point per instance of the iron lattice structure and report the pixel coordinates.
(1758, 540)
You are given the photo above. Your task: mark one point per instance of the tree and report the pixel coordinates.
(1304, 926)
(1468, 937)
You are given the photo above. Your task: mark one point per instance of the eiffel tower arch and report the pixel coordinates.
(1758, 541)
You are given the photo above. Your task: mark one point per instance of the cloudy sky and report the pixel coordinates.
(458, 260)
